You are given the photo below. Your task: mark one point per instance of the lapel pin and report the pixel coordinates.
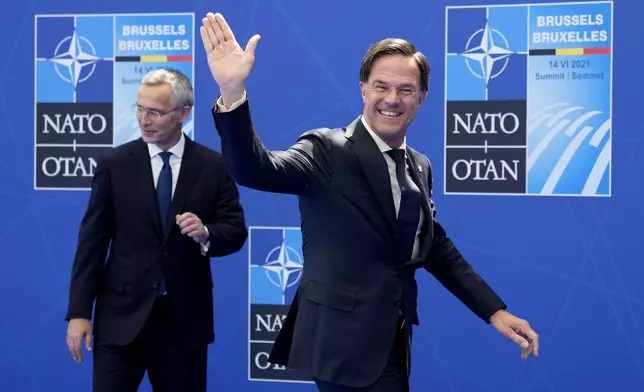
(420, 169)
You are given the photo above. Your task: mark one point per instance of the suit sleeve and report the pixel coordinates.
(301, 169)
(95, 235)
(228, 231)
(446, 263)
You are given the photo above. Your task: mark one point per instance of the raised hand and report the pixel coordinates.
(229, 63)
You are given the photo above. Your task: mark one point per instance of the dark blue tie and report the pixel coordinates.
(164, 197)
(409, 212)
(164, 189)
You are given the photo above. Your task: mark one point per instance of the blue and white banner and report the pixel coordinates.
(87, 75)
(529, 99)
(275, 265)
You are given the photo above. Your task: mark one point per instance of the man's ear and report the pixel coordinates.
(185, 113)
(363, 92)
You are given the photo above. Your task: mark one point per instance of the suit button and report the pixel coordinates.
(155, 285)
(165, 254)
(397, 302)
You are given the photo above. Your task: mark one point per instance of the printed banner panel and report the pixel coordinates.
(274, 273)
(529, 99)
(88, 72)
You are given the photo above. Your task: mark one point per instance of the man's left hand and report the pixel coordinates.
(518, 331)
(191, 225)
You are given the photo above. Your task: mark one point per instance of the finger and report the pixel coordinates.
(185, 216)
(207, 44)
(210, 29)
(76, 351)
(195, 234)
(88, 342)
(533, 337)
(528, 332)
(516, 338)
(189, 222)
(251, 46)
(525, 353)
(216, 29)
(225, 28)
(194, 229)
(535, 346)
(70, 347)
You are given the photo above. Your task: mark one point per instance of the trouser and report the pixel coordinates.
(395, 376)
(171, 367)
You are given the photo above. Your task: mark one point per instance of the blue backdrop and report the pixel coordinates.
(572, 266)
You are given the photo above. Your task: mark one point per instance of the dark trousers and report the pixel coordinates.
(395, 377)
(171, 367)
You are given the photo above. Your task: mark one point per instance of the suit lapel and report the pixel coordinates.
(146, 184)
(417, 176)
(187, 175)
(374, 166)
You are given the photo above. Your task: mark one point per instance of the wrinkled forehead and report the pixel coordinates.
(155, 97)
(395, 71)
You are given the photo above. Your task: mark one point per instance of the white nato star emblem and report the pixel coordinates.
(283, 267)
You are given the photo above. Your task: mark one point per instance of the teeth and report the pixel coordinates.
(389, 114)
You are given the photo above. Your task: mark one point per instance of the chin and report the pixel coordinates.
(389, 130)
(389, 133)
(148, 138)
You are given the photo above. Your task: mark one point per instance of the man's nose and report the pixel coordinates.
(144, 118)
(392, 96)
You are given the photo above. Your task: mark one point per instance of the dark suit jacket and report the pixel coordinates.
(122, 215)
(342, 323)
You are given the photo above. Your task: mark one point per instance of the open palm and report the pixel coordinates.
(229, 63)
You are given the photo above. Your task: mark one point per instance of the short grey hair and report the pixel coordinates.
(181, 87)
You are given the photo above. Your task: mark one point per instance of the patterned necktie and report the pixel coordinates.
(164, 189)
(410, 203)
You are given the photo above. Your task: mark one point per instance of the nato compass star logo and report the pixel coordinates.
(484, 49)
(283, 266)
(75, 59)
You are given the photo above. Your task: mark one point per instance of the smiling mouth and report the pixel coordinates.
(389, 113)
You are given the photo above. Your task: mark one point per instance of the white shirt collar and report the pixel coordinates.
(177, 149)
(384, 147)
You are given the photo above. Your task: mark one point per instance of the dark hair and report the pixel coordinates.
(391, 47)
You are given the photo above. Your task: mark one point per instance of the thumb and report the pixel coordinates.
(88, 341)
(252, 44)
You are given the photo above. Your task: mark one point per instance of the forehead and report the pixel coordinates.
(159, 96)
(395, 70)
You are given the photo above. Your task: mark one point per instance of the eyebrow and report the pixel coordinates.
(378, 81)
(147, 108)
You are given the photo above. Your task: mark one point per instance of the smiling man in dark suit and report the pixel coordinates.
(163, 205)
(368, 221)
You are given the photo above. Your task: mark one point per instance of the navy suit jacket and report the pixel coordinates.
(342, 323)
(122, 217)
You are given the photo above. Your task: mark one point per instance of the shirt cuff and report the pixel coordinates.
(205, 246)
(221, 108)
